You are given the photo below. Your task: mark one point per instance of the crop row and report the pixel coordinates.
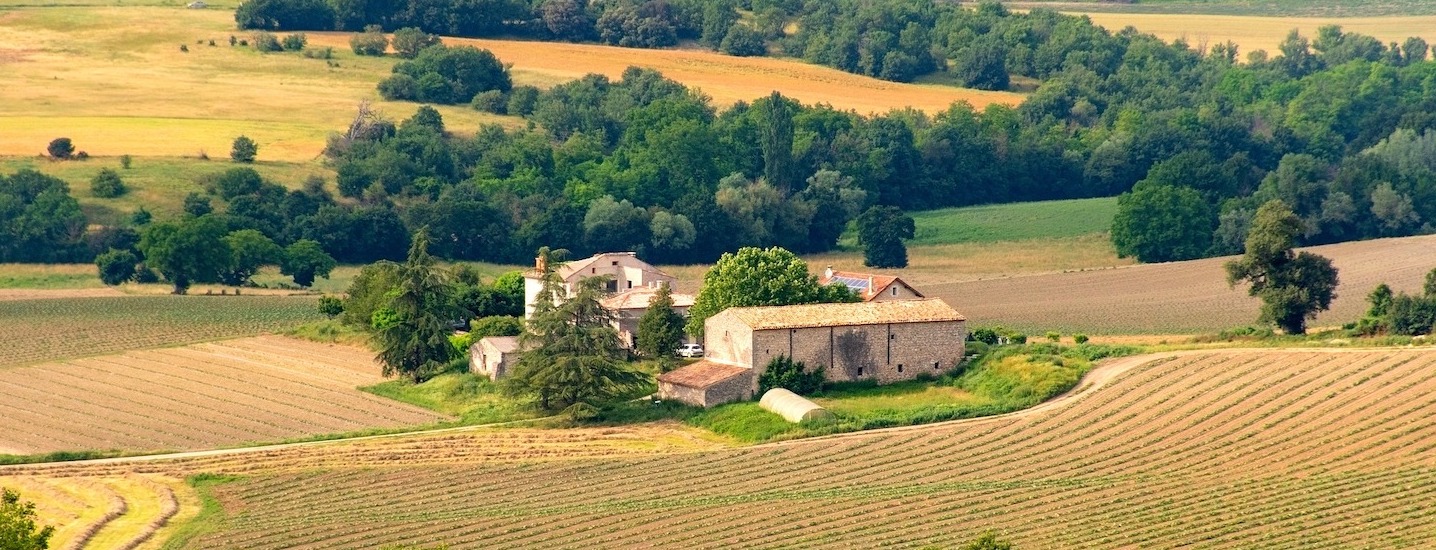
(1265, 448)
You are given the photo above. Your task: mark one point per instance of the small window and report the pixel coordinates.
(894, 291)
(593, 270)
(899, 367)
(892, 337)
(615, 262)
(860, 371)
(935, 364)
(630, 284)
(795, 331)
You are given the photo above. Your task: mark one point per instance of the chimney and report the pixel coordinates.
(828, 274)
(540, 264)
(870, 286)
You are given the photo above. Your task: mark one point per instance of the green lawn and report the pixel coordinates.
(473, 399)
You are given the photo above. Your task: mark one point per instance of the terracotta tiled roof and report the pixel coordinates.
(867, 285)
(703, 374)
(837, 315)
(639, 298)
(568, 269)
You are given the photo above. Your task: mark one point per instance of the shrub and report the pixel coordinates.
(320, 53)
(492, 101)
(331, 306)
(409, 41)
(81, 155)
(116, 266)
(783, 372)
(1080, 338)
(400, 87)
(244, 150)
(184, 48)
(145, 275)
(522, 100)
(295, 42)
(370, 42)
(125, 161)
(1054, 336)
(454, 75)
(267, 42)
(107, 184)
(496, 325)
(743, 41)
(233, 40)
(60, 148)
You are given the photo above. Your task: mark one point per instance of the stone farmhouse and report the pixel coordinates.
(886, 341)
(632, 284)
(871, 287)
(629, 306)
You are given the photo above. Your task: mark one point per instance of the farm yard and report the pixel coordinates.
(1178, 297)
(53, 329)
(196, 397)
(1215, 448)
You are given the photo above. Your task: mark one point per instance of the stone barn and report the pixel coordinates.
(493, 356)
(706, 383)
(885, 341)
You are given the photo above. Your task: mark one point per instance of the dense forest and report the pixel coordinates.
(1338, 127)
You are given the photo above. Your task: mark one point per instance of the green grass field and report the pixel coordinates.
(1014, 222)
(53, 329)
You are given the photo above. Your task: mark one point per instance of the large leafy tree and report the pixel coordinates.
(759, 277)
(187, 251)
(660, 330)
(1293, 287)
(416, 344)
(249, 250)
(304, 260)
(1162, 223)
(881, 230)
(574, 356)
(39, 220)
(17, 524)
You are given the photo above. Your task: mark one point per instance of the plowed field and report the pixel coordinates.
(197, 397)
(1177, 297)
(1240, 448)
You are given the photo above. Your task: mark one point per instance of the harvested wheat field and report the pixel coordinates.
(1251, 33)
(122, 511)
(1178, 297)
(1230, 448)
(203, 396)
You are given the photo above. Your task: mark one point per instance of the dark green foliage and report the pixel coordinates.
(1293, 287)
(309, 15)
(881, 231)
(497, 325)
(125, 161)
(18, 530)
(60, 148)
(304, 260)
(106, 184)
(743, 41)
(783, 372)
(573, 356)
(1412, 315)
(116, 266)
(371, 42)
(660, 330)
(243, 150)
(416, 344)
(267, 42)
(39, 220)
(441, 74)
(331, 306)
(141, 217)
(759, 277)
(775, 130)
(982, 65)
(294, 42)
(1380, 300)
(197, 205)
(408, 41)
(492, 101)
(187, 251)
(249, 250)
(1161, 223)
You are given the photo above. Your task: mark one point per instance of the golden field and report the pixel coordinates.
(1252, 33)
(115, 81)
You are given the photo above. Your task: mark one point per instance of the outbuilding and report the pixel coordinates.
(493, 356)
(706, 384)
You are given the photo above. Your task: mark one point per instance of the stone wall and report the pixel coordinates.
(728, 340)
(896, 291)
(885, 353)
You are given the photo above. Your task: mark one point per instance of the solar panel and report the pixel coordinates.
(852, 282)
